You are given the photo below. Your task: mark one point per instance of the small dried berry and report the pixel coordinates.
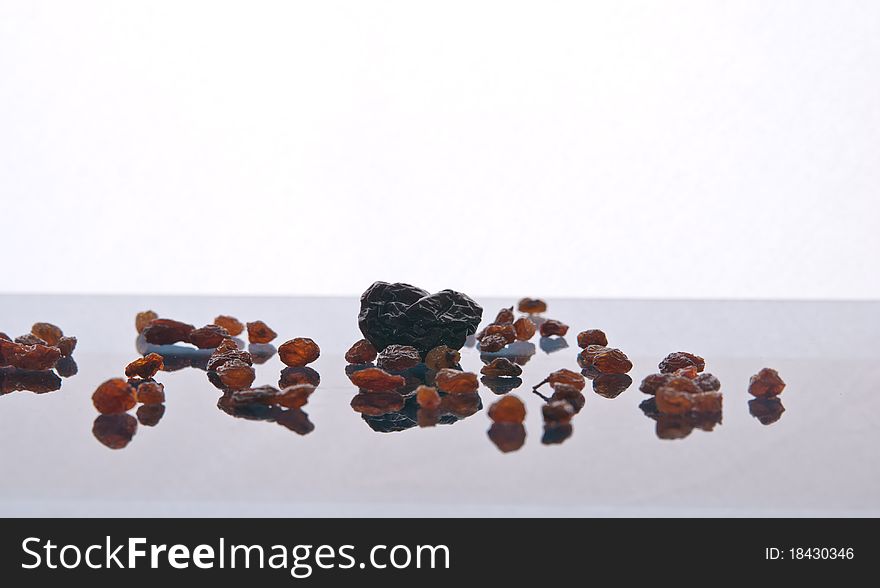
(208, 337)
(707, 382)
(114, 396)
(767, 410)
(532, 306)
(509, 409)
(611, 385)
(167, 332)
(149, 415)
(28, 357)
(397, 358)
(507, 437)
(556, 433)
(291, 376)
(295, 420)
(295, 396)
(501, 367)
(143, 319)
(377, 403)
(591, 337)
(492, 343)
(653, 382)
(259, 332)
(585, 358)
(145, 367)
(232, 325)
(552, 327)
(558, 411)
(612, 361)
(361, 352)
(766, 383)
(681, 359)
(66, 345)
(504, 317)
(30, 339)
(427, 397)
(150, 392)
(376, 380)
(258, 395)
(456, 382)
(442, 357)
(687, 372)
(218, 358)
(115, 430)
(571, 395)
(524, 328)
(299, 352)
(564, 377)
(461, 405)
(48, 333)
(226, 345)
(236, 374)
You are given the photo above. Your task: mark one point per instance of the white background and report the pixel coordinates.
(615, 149)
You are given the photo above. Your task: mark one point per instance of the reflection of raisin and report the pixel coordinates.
(524, 328)
(532, 306)
(427, 397)
(258, 395)
(259, 332)
(167, 332)
(114, 396)
(507, 437)
(569, 394)
(28, 357)
(376, 380)
(115, 430)
(66, 345)
(506, 331)
(611, 385)
(707, 382)
(672, 401)
(456, 382)
(149, 415)
(766, 383)
(150, 392)
(208, 337)
(299, 352)
(442, 357)
(143, 319)
(232, 325)
(361, 352)
(557, 411)
(397, 358)
(591, 337)
(377, 403)
(145, 367)
(509, 409)
(501, 367)
(291, 376)
(767, 410)
(492, 343)
(681, 359)
(556, 433)
(552, 327)
(39, 382)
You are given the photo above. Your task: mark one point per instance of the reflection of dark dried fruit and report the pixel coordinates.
(557, 411)
(506, 331)
(406, 315)
(501, 385)
(509, 409)
(571, 395)
(564, 377)
(687, 372)
(114, 396)
(507, 437)
(551, 327)
(167, 332)
(524, 328)
(376, 380)
(30, 339)
(232, 325)
(258, 395)
(501, 367)
(456, 382)
(591, 337)
(236, 374)
(681, 359)
(66, 367)
(672, 401)
(143, 319)
(115, 430)
(295, 396)
(150, 392)
(299, 352)
(259, 332)
(361, 352)
(492, 343)
(766, 383)
(208, 337)
(145, 367)
(149, 415)
(39, 382)
(612, 361)
(295, 420)
(611, 385)
(427, 397)
(678, 426)
(532, 306)
(504, 317)
(66, 345)
(766, 410)
(377, 403)
(556, 433)
(28, 357)
(442, 357)
(48, 333)
(707, 382)
(396, 358)
(291, 376)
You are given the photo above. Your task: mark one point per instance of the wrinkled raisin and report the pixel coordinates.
(509, 409)
(30, 339)
(48, 333)
(66, 345)
(611, 385)
(564, 377)
(236, 374)
(115, 430)
(143, 319)
(556, 433)
(504, 317)
(612, 361)
(585, 358)
(461, 405)
(149, 415)
(258, 395)
(687, 372)
(654, 382)
(442, 357)
(569, 394)
(766, 383)
(767, 410)
(376, 380)
(259, 332)
(427, 397)
(507, 437)
(361, 352)
(66, 367)
(299, 352)
(591, 337)
(507, 331)
(145, 367)
(552, 327)
(532, 306)
(492, 343)
(232, 325)
(28, 357)
(295, 396)
(377, 403)
(681, 359)
(456, 382)
(291, 376)
(524, 329)
(208, 337)
(226, 345)
(501, 367)
(218, 358)
(707, 382)
(397, 358)
(167, 332)
(672, 401)
(150, 392)
(114, 396)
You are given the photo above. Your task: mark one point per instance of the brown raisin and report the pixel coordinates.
(149, 415)
(236, 374)
(30, 339)
(564, 377)
(501, 385)
(766, 383)
(585, 358)
(208, 337)
(66, 345)
(767, 410)
(48, 333)
(115, 430)
(114, 396)
(145, 367)
(654, 382)
(299, 352)
(505, 316)
(556, 433)
(295, 396)
(396, 358)
(492, 343)
(532, 306)
(258, 395)
(295, 420)
(259, 332)
(707, 382)
(507, 331)
(218, 358)
(28, 357)
(569, 394)
(66, 367)
(427, 397)
(509, 409)
(611, 385)
(39, 382)
(681, 359)
(167, 332)
(150, 392)
(456, 382)
(507, 437)
(226, 345)
(612, 361)
(291, 376)
(143, 319)
(524, 328)
(361, 352)
(552, 327)
(687, 372)
(442, 357)
(376, 380)
(557, 411)
(232, 325)
(591, 337)
(501, 367)
(377, 403)
(461, 405)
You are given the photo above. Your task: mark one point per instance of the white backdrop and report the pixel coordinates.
(638, 149)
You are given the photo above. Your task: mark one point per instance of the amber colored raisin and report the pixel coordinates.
(507, 437)
(569, 394)
(681, 359)
(505, 316)
(427, 397)
(524, 328)
(707, 382)
(591, 337)
(707, 402)
(236, 374)
(361, 352)
(295, 396)
(30, 339)
(150, 392)
(611, 385)
(442, 357)
(226, 345)
(143, 319)
(532, 306)
(28, 357)
(232, 325)
(654, 382)
(48, 333)
(376, 380)
(208, 337)
(145, 367)
(492, 343)
(115, 430)
(66, 345)
(291, 376)
(564, 377)
(509, 409)
(766, 383)
(167, 332)
(149, 415)
(682, 384)
(672, 401)
(461, 405)
(66, 367)
(552, 327)
(612, 361)
(456, 382)
(114, 396)
(585, 358)
(687, 372)
(767, 410)
(299, 352)
(218, 358)
(396, 358)
(501, 367)
(259, 332)
(377, 403)
(506, 331)
(557, 411)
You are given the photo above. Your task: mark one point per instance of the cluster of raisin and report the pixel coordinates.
(36, 362)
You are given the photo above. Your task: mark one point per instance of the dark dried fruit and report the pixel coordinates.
(681, 359)
(427, 397)
(558, 411)
(39, 382)
(564, 377)
(66, 345)
(509, 409)
(707, 382)
(507, 331)
(405, 315)
(66, 367)
(377, 403)
(612, 361)
(442, 357)
(48, 333)
(456, 382)
(766, 410)
(504, 317)
(145, 367)
(219, 357)
(551, 327)
(226, 345)
(299, 352)
(556, 433)
(30, 339)
(611, 385)
(591, 337)
(115, 430)
(232, 325)
(150, 392)
(672, 401)
(149, 415)
(501, 385)
(507, 437)
(766, 383)
(143, 319)
(397, 358)
(361, 352)
(291, 376)
(236, 374)
(532, 306)
(501, 367)
(376, 380)
(492, 343)
(208, 337)
(28, 357)
(167, 332)
(295, 396)
(114, 396)
(259, 332)
(524, 328)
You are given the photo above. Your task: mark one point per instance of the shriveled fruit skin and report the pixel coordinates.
(28, 357)
(707, 382)
(218, 358)
(115, 430)
(427, 397)
(232, 325)
(509, 409)
(208, 337)
(377, 403)
(143, 319)
(681, 359)
(506, 331)
(361, 352)
(48, 332)
(653, 382)
(455, 382)
(149, 415)
(145, 367)
(405, 315)
(586, 357)
(236, 375)
(66, 367)
(150, 393)
(564, 377)
(501, 367)
(611, 385)
(260, 332)
(501, 385)
(295, 396)
(376, 380)
(167, 332)
(492, 343)
(767, 410)
(31, 339)
(4, 337)
(299, 352)
(524, 329)
(442, 357)
(505, 316)
(558, 411)
(258, 395)
(612, 361)
(66, 345)
(507, 437)
(766, 383)
(114, 396)
(291, 376)
(552, 327)
(532, 306)
(397, 358)
(591, 337)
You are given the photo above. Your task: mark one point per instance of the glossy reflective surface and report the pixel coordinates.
(813, 453)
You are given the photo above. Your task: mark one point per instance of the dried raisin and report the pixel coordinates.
(397, 358)
(167, 332)
(504, 317)
(66, 345)
(361, 352)
(492, 343)
(143, 319)
(524, 328)
(28, 357)
(259, 332)
(374, 379)
(30, 339)
(299, 352)
(427, 397)
(232, 325)
(48, 333)
(501, 367)
(553, 327)
(150, 392)
(208, 337)
(766, 383)
(113, 396)
(442, 357)
(591, 337)
(707, 382)
(532, 306)
(564, 377)
(681, 359)
(236, 374)
(145, 367)
(612, 361)
(509, 409)
(456, 382)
